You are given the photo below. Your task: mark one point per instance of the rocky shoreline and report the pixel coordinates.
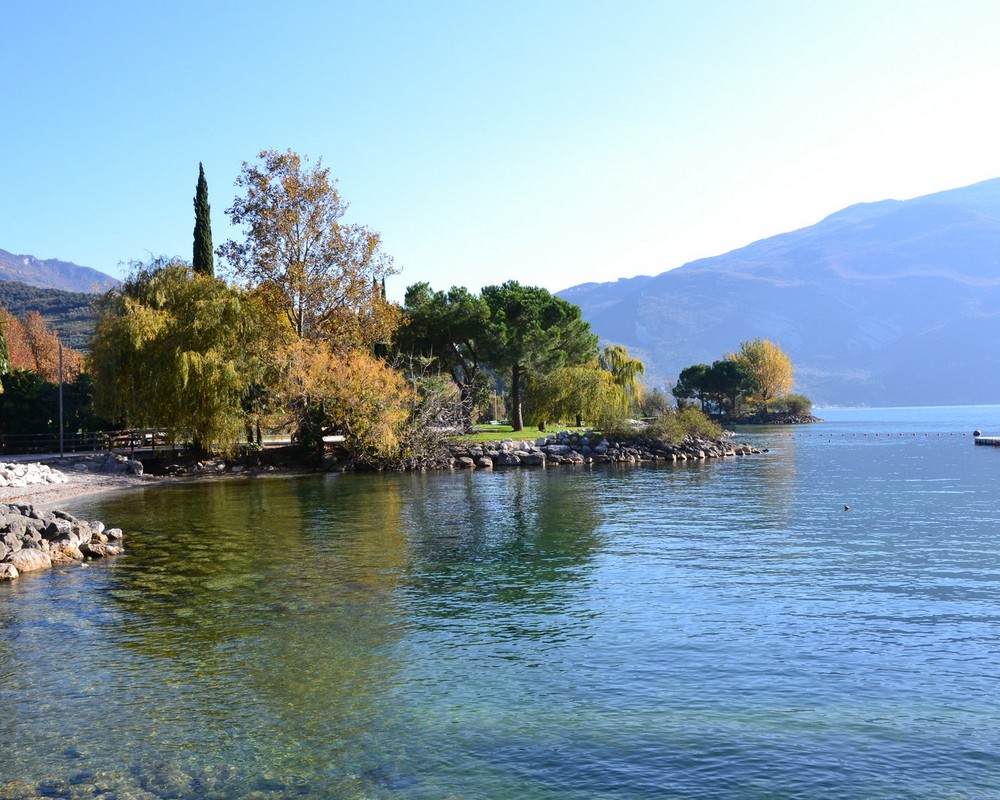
(33, 538)
(571, 447)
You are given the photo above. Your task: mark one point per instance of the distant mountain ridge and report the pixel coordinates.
(53, 274)
(886, 303)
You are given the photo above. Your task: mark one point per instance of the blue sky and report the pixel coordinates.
(550, 142)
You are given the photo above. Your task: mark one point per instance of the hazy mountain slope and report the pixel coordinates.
(52, 274)
(72, 314)
(896, 302)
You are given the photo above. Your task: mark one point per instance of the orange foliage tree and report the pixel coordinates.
(34, 346)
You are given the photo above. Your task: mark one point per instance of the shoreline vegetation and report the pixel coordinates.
(296, 336)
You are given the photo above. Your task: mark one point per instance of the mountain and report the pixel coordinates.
(53, 274)
(72, 314)
(888, 303)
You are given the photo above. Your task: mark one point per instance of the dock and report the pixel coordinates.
(988, 441)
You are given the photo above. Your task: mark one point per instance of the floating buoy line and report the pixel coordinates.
(844, 434)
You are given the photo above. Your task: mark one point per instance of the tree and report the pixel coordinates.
(175, 348)
(322, 274)
(4, 354)
(730, 382)
(32, 345)
(203, 261)
(625, 372)
(770, 367)
(448, 327)
(531, 331)
(691, 383)
(348, 392)
(581, 392)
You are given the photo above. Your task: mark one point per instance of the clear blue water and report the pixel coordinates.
(717, 630)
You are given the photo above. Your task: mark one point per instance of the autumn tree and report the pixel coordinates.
(321, 272)
(448, 327)
(532, 331)
(203, 260)
(349, 392)
(770, 367)
(174, 348)
(32, 345)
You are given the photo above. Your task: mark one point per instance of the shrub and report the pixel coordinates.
(673, 426)
(796, 404)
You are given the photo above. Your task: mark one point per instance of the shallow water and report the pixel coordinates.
(718, 630)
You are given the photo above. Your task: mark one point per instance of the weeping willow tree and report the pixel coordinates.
(624, 371)
(573, 394)
(176, 349)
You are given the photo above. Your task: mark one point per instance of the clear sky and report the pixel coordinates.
(549, 142)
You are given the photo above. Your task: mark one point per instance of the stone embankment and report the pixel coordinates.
(33, 539)
(568, 447)
(782, 418)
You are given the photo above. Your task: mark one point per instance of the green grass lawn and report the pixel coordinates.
(497, 433)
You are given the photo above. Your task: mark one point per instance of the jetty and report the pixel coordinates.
(988, 441)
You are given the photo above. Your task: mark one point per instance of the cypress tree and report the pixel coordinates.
(203, 260)
(4, 355)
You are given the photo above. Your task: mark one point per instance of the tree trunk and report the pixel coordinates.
(465, 395)
(516, 418)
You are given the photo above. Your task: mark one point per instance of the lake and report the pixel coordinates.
(716, 630)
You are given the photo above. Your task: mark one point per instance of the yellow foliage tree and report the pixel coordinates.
(348, 392)
(770, 367)
(325, 275)
(175, 348)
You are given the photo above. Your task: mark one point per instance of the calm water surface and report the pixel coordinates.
(722, 630)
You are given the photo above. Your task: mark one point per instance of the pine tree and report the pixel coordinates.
(203, 260)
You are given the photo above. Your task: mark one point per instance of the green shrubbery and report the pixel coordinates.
(670, 426)
(796, 404)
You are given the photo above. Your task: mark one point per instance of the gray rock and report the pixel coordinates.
(113, 533)
(12, 538)
(57, 529)
(484, 462)
(8, 572)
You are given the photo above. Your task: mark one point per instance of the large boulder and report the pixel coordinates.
(507, 459)
(28, 560)
(99, 550)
